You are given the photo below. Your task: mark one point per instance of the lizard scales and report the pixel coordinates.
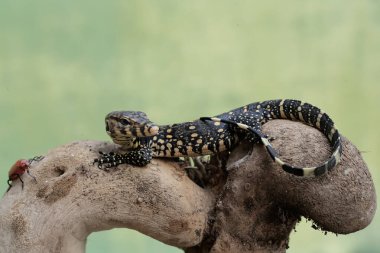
(142, 139)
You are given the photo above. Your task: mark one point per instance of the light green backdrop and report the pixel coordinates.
(65, 64)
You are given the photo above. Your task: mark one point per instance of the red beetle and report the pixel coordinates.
(17, 170)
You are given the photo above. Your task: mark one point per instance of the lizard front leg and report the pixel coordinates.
(137, 157)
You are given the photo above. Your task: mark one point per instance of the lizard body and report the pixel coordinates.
(142, 139)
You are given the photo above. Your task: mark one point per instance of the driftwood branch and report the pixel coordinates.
(253, 208)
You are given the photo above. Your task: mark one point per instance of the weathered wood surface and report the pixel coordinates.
(254, 209)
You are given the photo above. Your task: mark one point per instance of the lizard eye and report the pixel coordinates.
(125, 122)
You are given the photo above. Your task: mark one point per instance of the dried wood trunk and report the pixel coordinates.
(253, 208)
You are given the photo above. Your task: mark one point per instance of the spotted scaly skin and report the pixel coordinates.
(142, 139)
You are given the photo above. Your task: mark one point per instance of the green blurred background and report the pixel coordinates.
(65, 64)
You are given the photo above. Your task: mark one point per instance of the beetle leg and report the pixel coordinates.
(22, 182)
(36, 159)
(10, 185)
(27, 171)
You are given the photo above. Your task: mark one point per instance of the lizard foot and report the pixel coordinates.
(197, 170)
(108, 160)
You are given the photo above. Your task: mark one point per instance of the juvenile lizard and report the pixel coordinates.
(142, 139)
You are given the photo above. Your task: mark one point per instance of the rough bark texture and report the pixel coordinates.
(252, 208)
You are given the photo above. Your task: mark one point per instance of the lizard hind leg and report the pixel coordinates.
(196, 169)
(253, 137)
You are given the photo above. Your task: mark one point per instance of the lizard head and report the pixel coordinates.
(125, 126)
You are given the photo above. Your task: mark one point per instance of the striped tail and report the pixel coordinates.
(296, 111)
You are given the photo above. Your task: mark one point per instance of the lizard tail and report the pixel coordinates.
(297, 111)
